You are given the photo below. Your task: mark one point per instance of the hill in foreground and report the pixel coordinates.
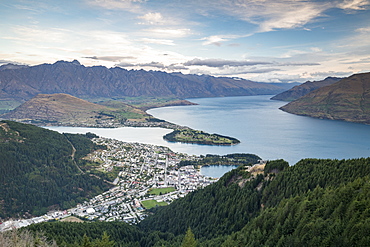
(304, 88)
(40, 170)
(347, 99)
(67, 110)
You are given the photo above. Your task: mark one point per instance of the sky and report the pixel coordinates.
(259, 40)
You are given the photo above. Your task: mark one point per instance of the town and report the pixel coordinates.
(147, 176)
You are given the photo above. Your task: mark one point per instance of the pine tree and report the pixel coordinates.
(104, 242)
(189, 239)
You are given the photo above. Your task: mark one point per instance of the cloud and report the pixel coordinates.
(130, 5)
(32, 34)
(111, 58)
(158, 41)
(272, 15)
(221, 63)
(363, 30)
(153, 64)
(240, 71)
(2, 62)
(330, 74)
(218, 40)
(296, 15)
(169, 32)
(354, 4)
(213, 40)
(152, 19)
(296, 64)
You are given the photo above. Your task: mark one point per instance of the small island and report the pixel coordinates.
(199, 137)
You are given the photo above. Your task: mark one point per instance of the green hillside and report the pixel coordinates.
(39, 170)
(66, 110)
(316, 202)
(199, 137)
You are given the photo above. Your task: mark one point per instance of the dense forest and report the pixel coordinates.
(199, 137)
(228, 159)
(39, 170)
(317, 202)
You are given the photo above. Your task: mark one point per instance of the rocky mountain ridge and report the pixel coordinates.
(24, 82)
(303, 89)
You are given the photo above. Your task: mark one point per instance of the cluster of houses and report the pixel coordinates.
(142, 167)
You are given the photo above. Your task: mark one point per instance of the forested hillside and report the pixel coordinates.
(39, 170)
(316, 202)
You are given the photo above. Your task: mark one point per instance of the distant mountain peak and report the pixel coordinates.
(98, 81)
(303, 89)
(75, 62)
(12, 66)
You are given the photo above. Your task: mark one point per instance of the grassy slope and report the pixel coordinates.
(348, 99)
(64, 108)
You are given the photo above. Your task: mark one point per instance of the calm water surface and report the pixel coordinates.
(257, 122)
(215, 171)
(265, 130)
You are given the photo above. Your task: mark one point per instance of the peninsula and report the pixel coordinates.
(200, 137)
(66, 110)
(347, 100)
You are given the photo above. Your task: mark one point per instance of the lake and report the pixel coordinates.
(216, 171)
(257, 122)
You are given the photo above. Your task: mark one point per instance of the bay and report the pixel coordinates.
(257, 122)
(215, 171)
(265, 130)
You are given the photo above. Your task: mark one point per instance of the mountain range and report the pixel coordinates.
(348, 99)
(21, 83)
(304, 88)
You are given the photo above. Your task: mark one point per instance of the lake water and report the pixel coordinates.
(215, 171)
(257, 122)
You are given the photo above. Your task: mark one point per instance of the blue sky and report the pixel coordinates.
(260, 40)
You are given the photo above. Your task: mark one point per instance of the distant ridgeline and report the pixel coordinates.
(40, 171)
(304, 88)
(317, 202)
(21, 83)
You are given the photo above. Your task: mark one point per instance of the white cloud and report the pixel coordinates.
(130, 5)
(218, 40)
(169, 32)
(110, 58)
(271, 15)
(354, 4)
(156, 65)
(363, 30)
(217, 63)
(295, 16)
(152, 19)
(38, 35)
(158, 41)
